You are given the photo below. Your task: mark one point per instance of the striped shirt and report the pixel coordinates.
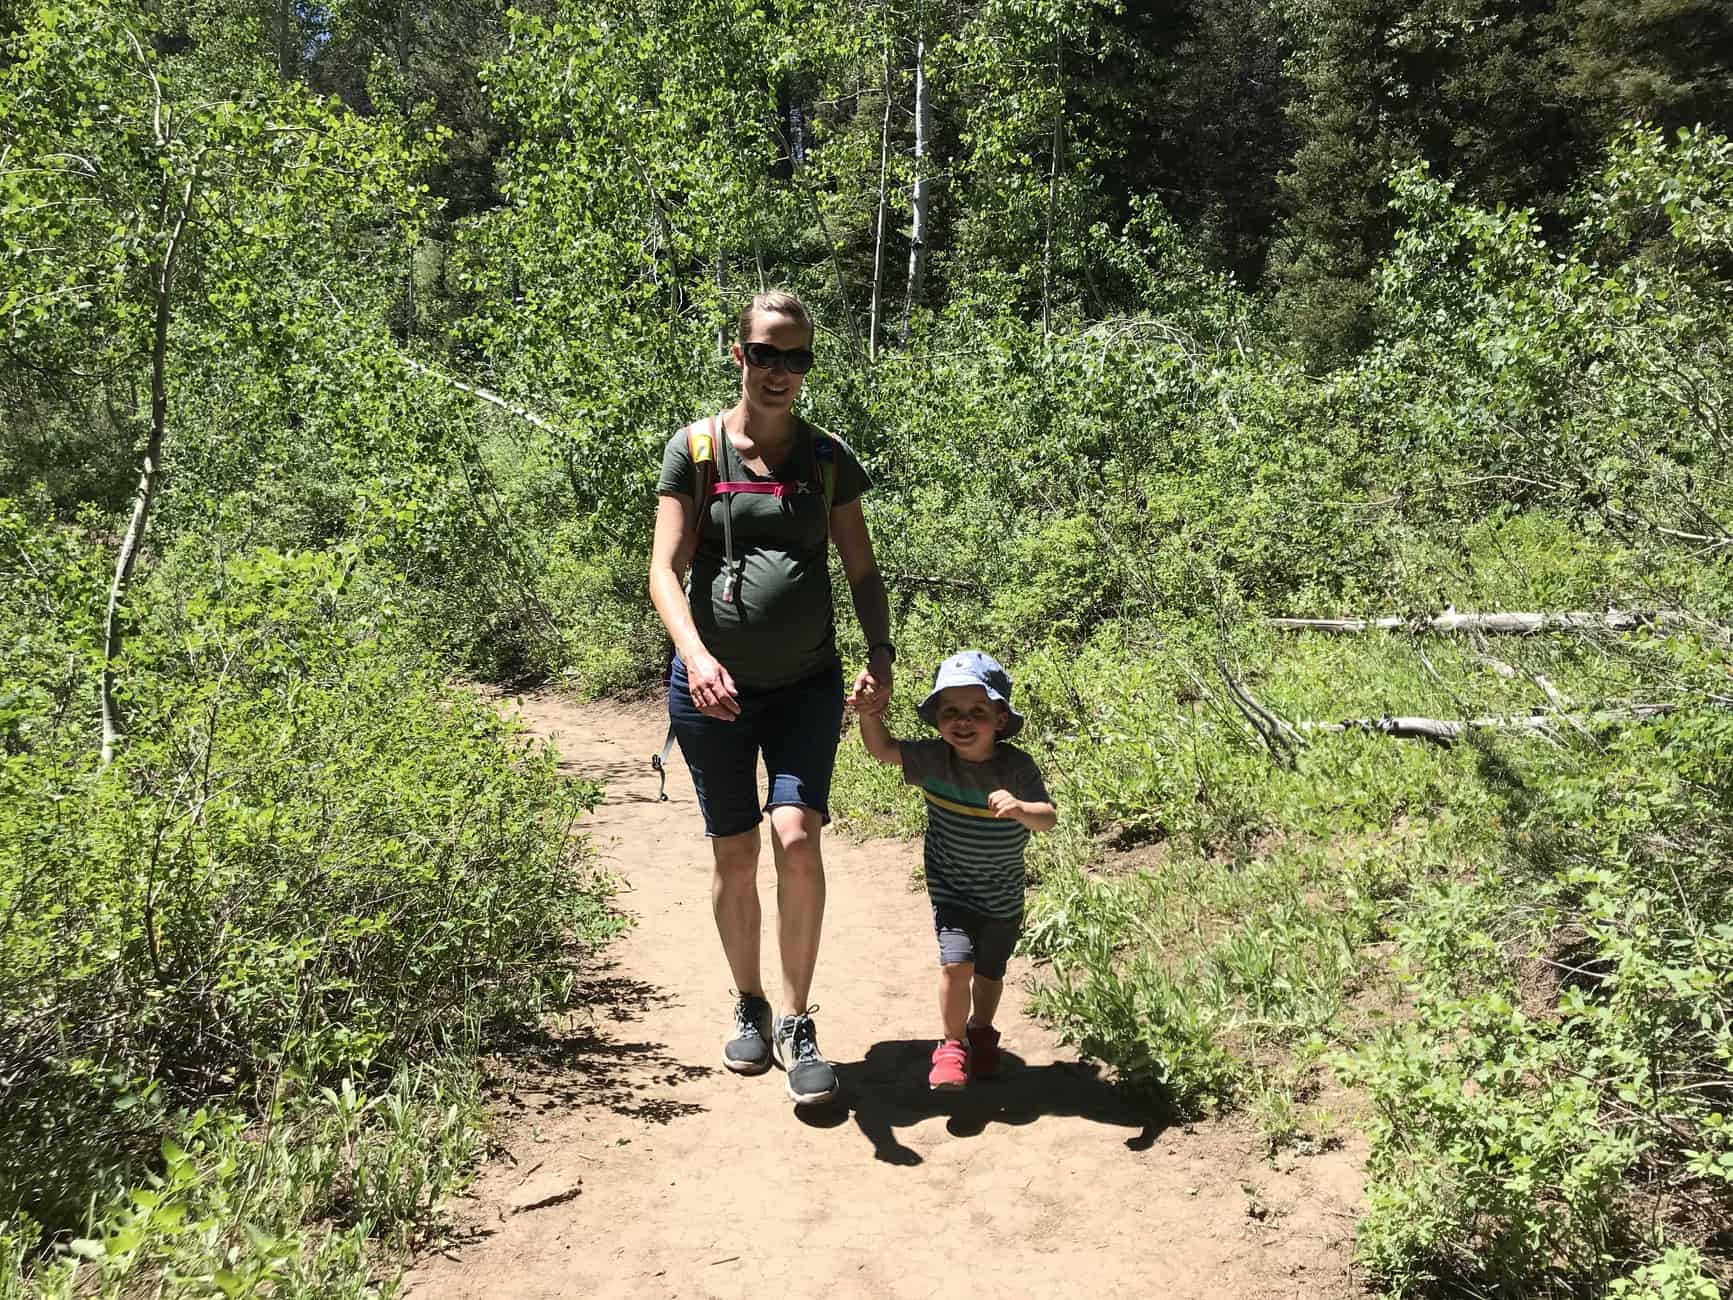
(974, 860)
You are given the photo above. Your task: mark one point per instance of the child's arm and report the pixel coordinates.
(878, 740)
(1037, 815)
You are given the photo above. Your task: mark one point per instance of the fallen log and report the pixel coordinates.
(1520, 623)
(1447, 731)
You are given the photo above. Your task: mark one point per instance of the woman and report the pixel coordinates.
(756, 669)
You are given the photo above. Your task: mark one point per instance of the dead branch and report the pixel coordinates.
(898, 578)
(1447, 731)
(1278, 736)
(1499, 623)
(486, 395)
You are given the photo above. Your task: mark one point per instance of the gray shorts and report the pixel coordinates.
(969, 936)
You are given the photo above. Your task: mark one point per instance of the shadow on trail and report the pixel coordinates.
(888, 1090)
(586, 1064)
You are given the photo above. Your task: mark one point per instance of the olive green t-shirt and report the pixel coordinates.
(781, 626)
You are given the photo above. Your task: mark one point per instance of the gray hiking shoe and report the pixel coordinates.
(810, 1078)
(748, 1051)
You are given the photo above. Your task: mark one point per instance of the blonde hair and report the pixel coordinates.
(773, 302)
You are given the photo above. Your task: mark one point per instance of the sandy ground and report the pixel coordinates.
(639, 1167)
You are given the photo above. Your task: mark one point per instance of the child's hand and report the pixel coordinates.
(866, 705)
(1034, 815)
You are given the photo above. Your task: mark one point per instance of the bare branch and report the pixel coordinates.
(1278, 736)
(1506, 623)
(896, 577)
(1447, 731)
(485, 395)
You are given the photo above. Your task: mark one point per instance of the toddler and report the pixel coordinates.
(983, 796)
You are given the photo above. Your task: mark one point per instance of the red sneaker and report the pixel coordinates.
(950, 1065)
(983, 1051)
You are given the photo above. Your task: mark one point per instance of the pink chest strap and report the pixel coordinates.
(757, 489)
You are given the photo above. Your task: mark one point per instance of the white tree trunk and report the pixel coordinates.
(149, 479)
(1510, 624)
(877, 312)
(1053, 186)
(923, 187)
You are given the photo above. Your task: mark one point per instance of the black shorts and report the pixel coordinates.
(969, 936)
(794, 728)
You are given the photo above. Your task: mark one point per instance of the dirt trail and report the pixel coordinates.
(640, 1167)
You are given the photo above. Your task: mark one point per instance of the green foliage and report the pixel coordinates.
(145, 211)
(1195, 976)
(1548, 1072)
(401, 440)
(313, 862)
(1677, 1275)
(1629, 61)
(297, 1208)
(1538, 428)
(1508, 100)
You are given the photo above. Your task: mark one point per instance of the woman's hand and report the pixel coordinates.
(872, 689)
(712, 688)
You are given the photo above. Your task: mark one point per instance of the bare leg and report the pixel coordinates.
(954, 982)
(734, 900)
(794, 835)
(987, 993)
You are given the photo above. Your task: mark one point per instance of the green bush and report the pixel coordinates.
(312, 861)
(1548, 1076)
(297, 1205)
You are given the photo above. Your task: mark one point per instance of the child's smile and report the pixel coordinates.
(969, 721)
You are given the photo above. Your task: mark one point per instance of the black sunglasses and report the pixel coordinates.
(767, 356)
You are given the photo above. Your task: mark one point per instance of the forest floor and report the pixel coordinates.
(639, 1167)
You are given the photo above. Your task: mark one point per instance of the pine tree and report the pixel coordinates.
(1666, 61)
(1188, 101)
(1477, 88)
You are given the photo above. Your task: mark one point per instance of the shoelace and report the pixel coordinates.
(744, 1021)
(805, 1035)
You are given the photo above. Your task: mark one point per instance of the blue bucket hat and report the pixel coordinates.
(972, 668)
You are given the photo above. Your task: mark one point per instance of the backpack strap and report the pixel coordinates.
(711, 452)
(701, 438)
(700, 446)
(824, 462)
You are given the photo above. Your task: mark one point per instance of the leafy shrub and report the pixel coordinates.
(312, 860)
(298, 1207)
(1543, 1110)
